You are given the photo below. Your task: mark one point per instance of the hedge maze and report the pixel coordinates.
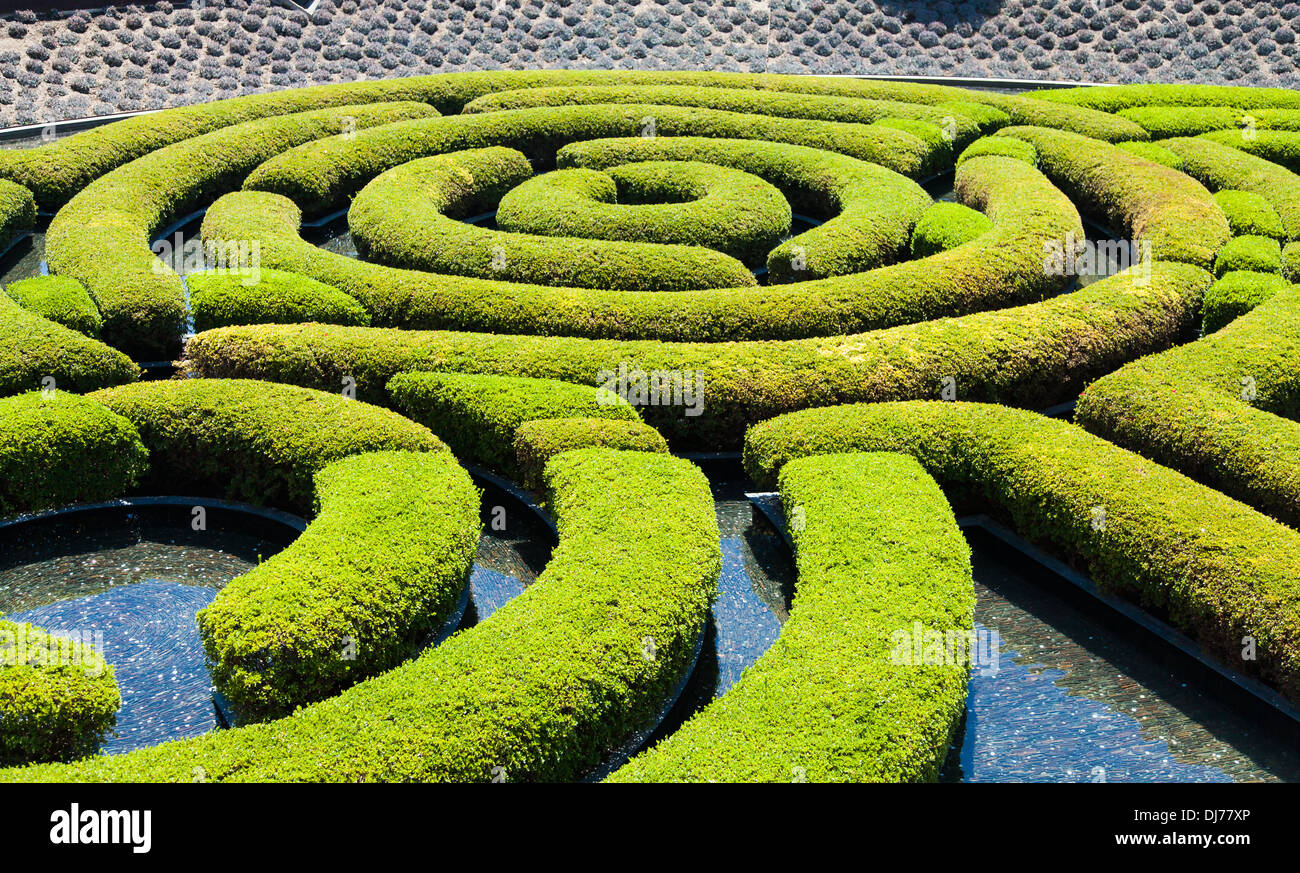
(571, 279)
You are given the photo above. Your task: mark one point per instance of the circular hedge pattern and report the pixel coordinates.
(563, 275)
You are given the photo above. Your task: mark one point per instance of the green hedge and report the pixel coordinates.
(879, 554)
(1153, 152)
(945, 226)
(1291, 261)
(1261, 254)
(58, 697)
(1004, 267)
(683, 202)
(61, 300)
(869, 210)
(1237, 293)
(1163, 122)
(1000, 145)
(1144, 200)
(254, 441)
(1219, 167)
(540, 690)
(1249, 214)
(477, 416)
(539, 440)
(101, 236)
(405, 218)
(1032, 356)
(1117, 98)
(378, 571)
(1221, 410)
(1280, 147)
(219, 299)
(17, 212)
(33, 348)
(1212, 567)
(58, 448)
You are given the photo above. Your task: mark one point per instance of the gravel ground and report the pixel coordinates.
(142, 57)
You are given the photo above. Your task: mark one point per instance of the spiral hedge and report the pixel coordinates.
(563, 275)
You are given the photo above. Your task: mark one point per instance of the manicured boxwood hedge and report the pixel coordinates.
(17, 212)
(540, 690)
(945, 226)
(60, 299)
(682, 202)
(1219, 167)
(1003, 268)
(254, 441)
(100, 238)
(1214, 568)
(1031, 356)
(539, 440)
(57, 698)
(1261, 254)
(1222, 410)
(405, 218)
(1249, 214)
(878, 552)
(1291, 261)
(33, 347)
(1153, 152)
(868, 210)
(380, 568)
(1000, 145)
(1144, 200)
(478, 416)
(1120, 97)
(1237, 293)
(58, 448)
(218, 299)
(1280, 147)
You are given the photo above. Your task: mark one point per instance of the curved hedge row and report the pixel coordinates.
(1005, 146)
(540, 439)
(220, 299)
(879, 553)
(17, 212)
(1145, 200)
(541, 690)
(1280, 147)
(254, 441)
(58, 448)
(1214, 568)
(1249, 214)
(478, 416)
(60, 299)
(1000, 268)
(101, 236)
(58, 698)
(378, 571)
(1237, 293)
(403, 219)
(683, 202)
(1222, 167)
(1221, 410)
(1260, 254)
(1116, 98)
(1032, 356)
(945, 226)
(33, 348)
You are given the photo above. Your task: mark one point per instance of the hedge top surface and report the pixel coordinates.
(34, 349)
(60, 299)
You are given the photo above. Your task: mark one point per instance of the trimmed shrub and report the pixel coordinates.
(58, 448)
(17, 212)
(544, 688)
(1153, 152)
(539, 440)
(1163, 122)
(878, 550)
(1275, 146)
(1212, 567)
(58, 698)
(1030, 356)
(254, 441)
(1006, 267)
(1221, 410)
(60, 299)
(1237, 293)
(1146, 201)
(33, 348)
(1000, 145)
(380, 568)
(1260, 254)
(1220, 167)
(946, 226)
(221, 299)
(478, 416)
(1291, 261)
(1249, 214)
(402, 219)
(100, 237)
(1120, 97)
